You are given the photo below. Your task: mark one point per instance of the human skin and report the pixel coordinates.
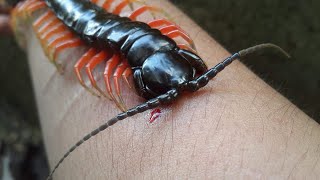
(235, 127)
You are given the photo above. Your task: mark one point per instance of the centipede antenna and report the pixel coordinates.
(152, 103)
(260, 47)
(203, 80)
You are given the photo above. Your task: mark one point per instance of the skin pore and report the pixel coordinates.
(236, 126)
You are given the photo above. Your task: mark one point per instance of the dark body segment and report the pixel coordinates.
(119, 33)
(132, 38)
(157, 62)
(96, 26)
(151, 43)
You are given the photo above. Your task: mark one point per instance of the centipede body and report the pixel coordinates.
(161, 69)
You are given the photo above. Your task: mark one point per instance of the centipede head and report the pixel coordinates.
(164, 71)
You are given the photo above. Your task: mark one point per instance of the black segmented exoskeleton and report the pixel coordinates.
(158, 64)
(161, 69)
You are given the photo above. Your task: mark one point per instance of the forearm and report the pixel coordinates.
(236, 126)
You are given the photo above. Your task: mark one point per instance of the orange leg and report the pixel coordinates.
(62, 38)
(50, 24)
(172, 30)
(179, 33)
(49, 32)
(122, 5)
(133, 16)
(42, 19)
(44, 39)
(67, 35)
(67, 44)
(25, 4)
(24, 9)
(110, 66)
(85, 58)
(126, 74)
(94, 61)
(117, 74)
(168, 26)
(36, 6)
(107, 4)
(159, 22)
(167, 29)
(57, 29)
(81, 63)
(175, 31)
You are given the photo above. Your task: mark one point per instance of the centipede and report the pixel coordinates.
(161, 67)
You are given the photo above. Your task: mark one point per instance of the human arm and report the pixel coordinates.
(235, 126)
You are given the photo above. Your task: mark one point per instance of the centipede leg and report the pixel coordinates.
(94, 61)
(25, 4)
(53, 22)
(133, 16)
(67, 44)
(179, 33)
(52, 27)
(165, 26)
(125, 75)
(159, 22)
(59, 28)
(174, 31)
(107, 4)
(85, 58)
(34, 7)
(110, 65)
(50, 48)
(121, 5)
(42, 19)
(50, 30)
(23, 8)
(45, 37)
(116, 76)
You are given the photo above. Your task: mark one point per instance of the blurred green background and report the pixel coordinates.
(236, 24)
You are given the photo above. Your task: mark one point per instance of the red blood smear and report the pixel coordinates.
(154, 115)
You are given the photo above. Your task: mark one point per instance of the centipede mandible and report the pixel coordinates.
(162, 67)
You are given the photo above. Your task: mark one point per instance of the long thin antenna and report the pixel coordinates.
(211, 73)
(260, 47)
(152, 103)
